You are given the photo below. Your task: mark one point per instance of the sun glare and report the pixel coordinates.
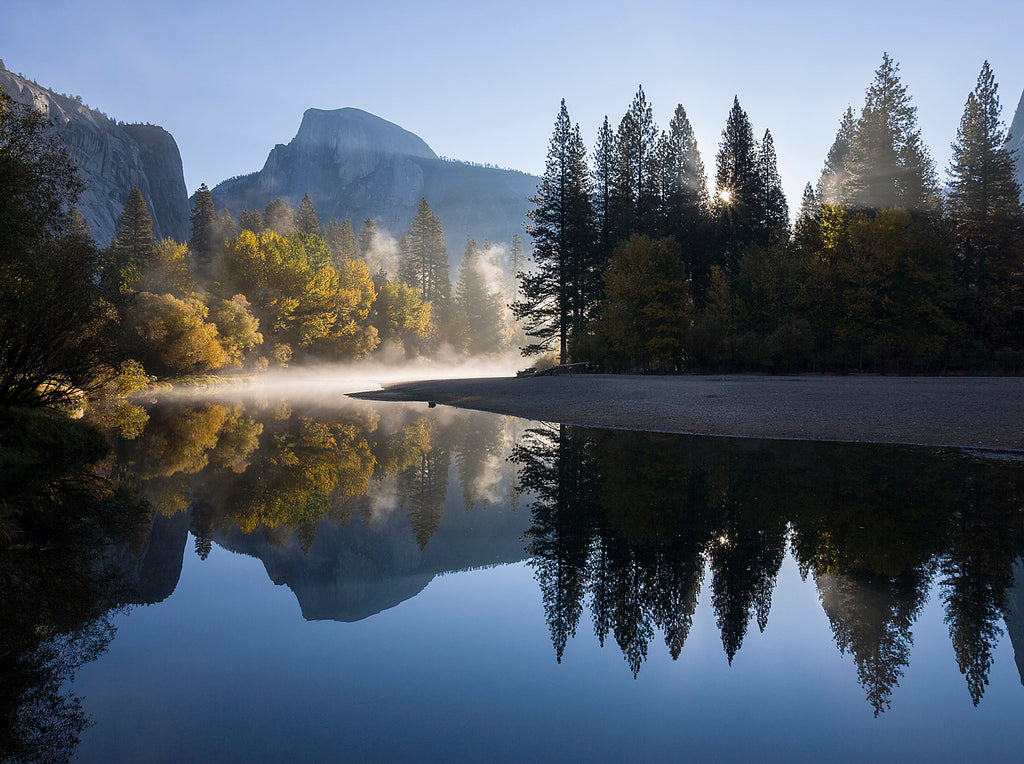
(725, 195)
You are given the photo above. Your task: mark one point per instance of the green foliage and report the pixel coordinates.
(306, 220)
(53, 321)
(647, 309)
(561, 292)
(478, 303)
(425, 263)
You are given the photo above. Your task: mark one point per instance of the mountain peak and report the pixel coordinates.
(354, 130)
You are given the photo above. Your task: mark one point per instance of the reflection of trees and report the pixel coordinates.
(421, 491)
(631, 519)
(479, 451)
(557, 469)
(58, 587)
(282, 471)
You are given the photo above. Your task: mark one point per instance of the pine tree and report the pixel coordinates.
(683, 182)
(737, 189)
(887, 164)
(367, 237)
(132, 248)
(307, 221)
(342, 241)
(204, 222)
(832, 185)
(684, 202)
(602, 184)
(250, 220)
(478, 302)
(516, 265)
(426, 266)
(559, 293)
(985, 212)
(635, 191)
(773, 215)
(279, 217)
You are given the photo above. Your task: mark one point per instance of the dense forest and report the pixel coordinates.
(638, 267)
(635, 264)
(277, 287)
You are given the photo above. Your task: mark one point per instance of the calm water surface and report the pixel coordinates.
(384, 581)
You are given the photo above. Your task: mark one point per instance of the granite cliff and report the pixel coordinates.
(112, 158)
(1015, 140)
(354, 164)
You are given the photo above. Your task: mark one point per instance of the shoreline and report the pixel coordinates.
(982, 413)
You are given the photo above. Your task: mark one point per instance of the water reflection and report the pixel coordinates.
(628, 524)
(62, 576)
(356, 508)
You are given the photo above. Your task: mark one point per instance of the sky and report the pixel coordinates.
(482, 81)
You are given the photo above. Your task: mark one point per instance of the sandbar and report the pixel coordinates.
(960, 412)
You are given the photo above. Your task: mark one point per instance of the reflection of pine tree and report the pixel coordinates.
(871, 619)
(556, 467)
(478, 448)
(745, 558)
(977, 573)
(422, 488)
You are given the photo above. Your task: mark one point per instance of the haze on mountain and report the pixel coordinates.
(112, 158)
(356, 165)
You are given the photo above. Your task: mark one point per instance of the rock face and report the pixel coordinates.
(112, 159)
(354, 164)
(1015, 140)
(355, 571)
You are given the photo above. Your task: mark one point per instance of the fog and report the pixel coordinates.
(316, 383)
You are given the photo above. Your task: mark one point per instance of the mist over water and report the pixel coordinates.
(314, 383)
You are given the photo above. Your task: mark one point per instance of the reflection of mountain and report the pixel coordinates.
(158, 568)
(355, 571)
(1015, 616)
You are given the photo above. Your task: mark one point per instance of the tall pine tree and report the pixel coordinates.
(887, 164)
(773, 212)
(985, 211)
(426, 264)
(738, 187)
(306, 221)
(560, 291)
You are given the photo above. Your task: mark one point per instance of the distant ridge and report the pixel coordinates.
(358, 165)
(111, 159)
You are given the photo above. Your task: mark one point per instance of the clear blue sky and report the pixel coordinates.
(482, 81)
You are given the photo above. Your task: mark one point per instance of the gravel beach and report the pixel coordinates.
(963, 412)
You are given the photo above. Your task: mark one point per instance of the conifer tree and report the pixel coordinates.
(306, 220)
(279, 217)
(684, 202)
(737, 189)
(250, 220)
(426, 266)
(888, 164)
(516, 265)
(342, 241)
(985, 211)
(204, 221)
(773, 215)
(132, 248)
(559, 293)
(635, 197)
(367, 237)
(832, 185)
(478, 302)
(602, 188)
